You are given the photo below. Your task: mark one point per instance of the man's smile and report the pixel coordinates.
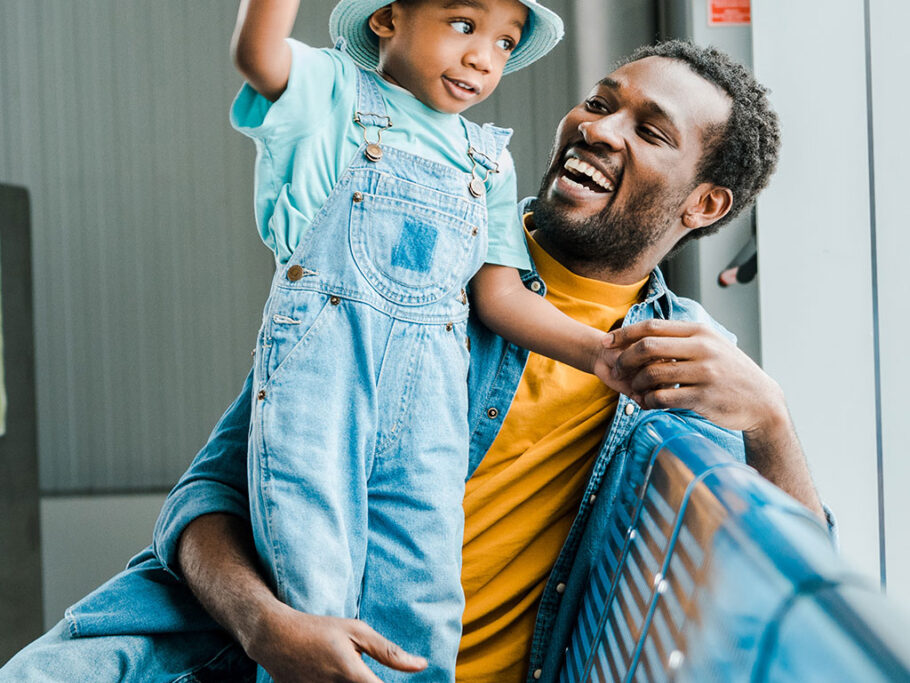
(582, 176)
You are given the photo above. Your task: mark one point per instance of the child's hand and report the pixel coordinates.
(605, 365)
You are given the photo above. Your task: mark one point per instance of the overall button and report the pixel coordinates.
(535, 286)
(373, 152)
(449, 327)
(474, 231)
(261, 394)
(629, 409)
(295, 273)
(358, 197)
(334, 300)
(492, 413)
(560, 588)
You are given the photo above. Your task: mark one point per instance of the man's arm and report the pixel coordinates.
(685, 365)
(218, 560)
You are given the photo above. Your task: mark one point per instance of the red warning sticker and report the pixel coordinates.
(729, 12)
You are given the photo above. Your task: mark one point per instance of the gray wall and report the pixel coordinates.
(149, 275)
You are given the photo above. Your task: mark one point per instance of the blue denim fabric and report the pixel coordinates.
(216, 482)
(358, 444)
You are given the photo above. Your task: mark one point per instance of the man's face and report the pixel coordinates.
(624, 165)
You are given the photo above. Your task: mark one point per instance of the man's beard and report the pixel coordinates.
(614, 239)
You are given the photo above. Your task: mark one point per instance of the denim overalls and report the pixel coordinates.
(359, 435)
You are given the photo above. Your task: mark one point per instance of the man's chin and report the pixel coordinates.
(570, 209)
(576, 201)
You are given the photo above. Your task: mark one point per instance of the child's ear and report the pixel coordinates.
(381, 22)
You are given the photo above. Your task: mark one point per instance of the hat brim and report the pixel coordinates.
(543, 30)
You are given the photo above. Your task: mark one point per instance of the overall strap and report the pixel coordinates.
(371, 109)
(485, 146)
(482, 148)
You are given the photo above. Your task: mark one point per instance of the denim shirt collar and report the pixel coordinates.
(657, 294)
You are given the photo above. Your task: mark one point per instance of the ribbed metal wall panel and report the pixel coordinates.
(149, 275)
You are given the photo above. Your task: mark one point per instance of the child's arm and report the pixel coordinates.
(527, 319)
(258, 45)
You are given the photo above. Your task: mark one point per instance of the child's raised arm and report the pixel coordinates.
(258, 45)
(527, 319)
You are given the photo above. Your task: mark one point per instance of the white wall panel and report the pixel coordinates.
(890, 55)
(814, 241)
(149, 275)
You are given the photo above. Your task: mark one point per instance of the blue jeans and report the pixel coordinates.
(61, 656)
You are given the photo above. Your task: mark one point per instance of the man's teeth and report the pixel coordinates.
(578, 166)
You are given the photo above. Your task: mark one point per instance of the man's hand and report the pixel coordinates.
(672, 364)
(685, 365)
(303, 648)
(219, 563)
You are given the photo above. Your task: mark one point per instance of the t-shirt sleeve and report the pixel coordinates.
(316, 84)
(507, 245)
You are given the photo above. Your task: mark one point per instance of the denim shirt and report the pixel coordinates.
(216, 482)
(493, 378)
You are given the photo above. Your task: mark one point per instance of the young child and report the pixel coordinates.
(381, 203)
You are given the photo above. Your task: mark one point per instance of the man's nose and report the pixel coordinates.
(604, 130)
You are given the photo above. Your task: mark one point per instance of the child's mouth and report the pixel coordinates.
(460, 89)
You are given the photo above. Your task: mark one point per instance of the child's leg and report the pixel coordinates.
(313, 419)
(412, 581)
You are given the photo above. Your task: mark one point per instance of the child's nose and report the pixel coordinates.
(478, 58)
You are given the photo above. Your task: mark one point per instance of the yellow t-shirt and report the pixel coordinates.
(522, 500)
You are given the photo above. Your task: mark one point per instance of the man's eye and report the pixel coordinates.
(462, 26)
(596, 104)
(650, 134)
(506, 44)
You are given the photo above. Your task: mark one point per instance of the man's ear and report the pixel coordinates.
(381, 22)
(711, 203)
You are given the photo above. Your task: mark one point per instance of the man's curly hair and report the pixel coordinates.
(740, 155)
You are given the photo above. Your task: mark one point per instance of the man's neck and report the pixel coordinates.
(635, 272)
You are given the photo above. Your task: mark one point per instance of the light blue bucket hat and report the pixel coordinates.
(349, 21)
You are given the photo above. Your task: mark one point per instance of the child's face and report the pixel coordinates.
(448, 53)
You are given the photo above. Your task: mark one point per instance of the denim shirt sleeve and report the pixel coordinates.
(216, 481)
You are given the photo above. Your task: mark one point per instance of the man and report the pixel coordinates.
(668, 147)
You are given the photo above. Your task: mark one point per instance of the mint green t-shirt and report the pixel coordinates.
(307, 138)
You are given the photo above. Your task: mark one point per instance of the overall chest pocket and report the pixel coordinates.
(410, 253)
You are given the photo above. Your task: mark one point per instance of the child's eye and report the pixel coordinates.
(462, 26)
(506, 44)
